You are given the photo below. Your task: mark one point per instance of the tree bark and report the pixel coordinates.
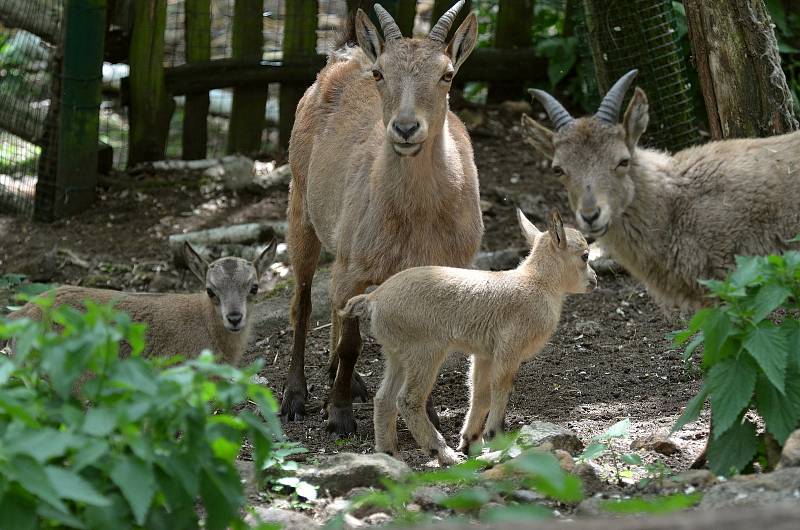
(737, 59)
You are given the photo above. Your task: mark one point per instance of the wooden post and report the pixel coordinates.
(514, 21)
(440, 6)
(150, 105)
(299, 46)
(737, 60)
(198, 48)
(247, 113)
(71, 183)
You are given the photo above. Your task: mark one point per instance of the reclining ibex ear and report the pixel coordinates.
(636, 118)
(539, 136)
(264, 260)
(555, 227)
(196, 264)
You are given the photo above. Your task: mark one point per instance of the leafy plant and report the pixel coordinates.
(156, 442)
(19, 287)
(279, 471)
(750, 359)
(603, 443)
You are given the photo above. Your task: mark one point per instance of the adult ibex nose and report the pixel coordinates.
(234, 318)
(405, 128)
(590, 215)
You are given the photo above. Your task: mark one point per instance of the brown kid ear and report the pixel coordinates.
(264, 260)
(556, 228)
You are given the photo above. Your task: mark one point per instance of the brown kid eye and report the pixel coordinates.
(448, 77)
(585, 256)
(377, 75)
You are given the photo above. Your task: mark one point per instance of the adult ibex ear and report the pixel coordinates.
(368, 37)
(556, 228)
(539, 136)
(196, 264)
(528, 230)
(263, 261)
(636, 118)
(463, 41)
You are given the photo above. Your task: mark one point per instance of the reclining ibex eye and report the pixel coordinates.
(625, 162)
(377, 75)
(558, 171)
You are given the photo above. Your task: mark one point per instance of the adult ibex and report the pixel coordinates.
(383, 176)
(671, 220)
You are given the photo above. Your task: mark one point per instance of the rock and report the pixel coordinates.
(491, 505)
(565, 460)
(516, 107)
(591, 482)
(591, 507)
(288, 519)
(340, 473)
(247, 473)
(527, 496)
(588, 327)
(656, 442)
(428, 496)
(790, 455)
(698, 478)
(234, 171)
(378, 519)
(782, 485)
(538, 433)
(500, 260)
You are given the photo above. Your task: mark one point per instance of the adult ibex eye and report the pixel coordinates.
(377, 75)
(210, 293)
(254, 289)
(448, 77)
(625, 162)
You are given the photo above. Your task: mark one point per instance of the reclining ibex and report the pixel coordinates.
(218, 319)
(383, 176)
(501, 318)
(671, 219)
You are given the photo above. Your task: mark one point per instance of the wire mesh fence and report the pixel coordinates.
(27, 64)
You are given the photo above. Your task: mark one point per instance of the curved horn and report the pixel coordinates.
(559, 116)
(442, 28)
(612, 102)
(391, 30)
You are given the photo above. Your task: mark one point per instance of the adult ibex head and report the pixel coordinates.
(413, 76)
(593, 154)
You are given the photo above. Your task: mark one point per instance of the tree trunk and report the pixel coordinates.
(198, 48)
(150, 105)
(737, 60)
(247, 111)
(514, 21)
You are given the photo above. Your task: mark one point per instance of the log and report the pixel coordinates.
(247, 114)
(40, 17)
(198, 48)
(244, 234)
(483, 65)
(736, 55)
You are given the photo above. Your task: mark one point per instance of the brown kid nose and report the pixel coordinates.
(234, 318)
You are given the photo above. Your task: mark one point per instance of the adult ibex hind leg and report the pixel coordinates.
(304, 248)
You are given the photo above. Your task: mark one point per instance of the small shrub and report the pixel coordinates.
(751, 357)
(138, 444)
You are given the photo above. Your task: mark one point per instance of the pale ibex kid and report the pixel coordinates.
(383, 177)
(218, 319)
(500, 318)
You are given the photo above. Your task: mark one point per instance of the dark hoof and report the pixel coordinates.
(432, 415)
(293, 406)
(340, 422)
(358, 389)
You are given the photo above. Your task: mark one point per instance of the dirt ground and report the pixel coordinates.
(608, 360)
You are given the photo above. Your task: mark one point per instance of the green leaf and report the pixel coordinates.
(17, 512)
(748, 270)
(692, 410)
(696, 341)
(222, 495)
(618, 430)
(781, 412)
(632, 459)
(716, 328)
(64, 517)
(769, 346)
(731, 383)
(467, 500)
(732, 451)
(134, 374)
(512, 514)
(136, 481)
(32, 477)
(547, 476)
(71, 486)
(658, 505)
(768, 298)
(42, 444)
(225, 449)
(115, 515)
(99, 422)
(90, 452)
(306, 490)
(592, 451)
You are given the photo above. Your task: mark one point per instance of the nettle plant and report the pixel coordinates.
(139, 443)
(750, 359)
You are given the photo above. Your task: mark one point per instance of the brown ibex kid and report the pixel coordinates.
(501, 318)
(383, 177)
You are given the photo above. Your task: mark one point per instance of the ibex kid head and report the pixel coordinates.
(413, 76)
(593, 155)
(231, 283)
(565, 250)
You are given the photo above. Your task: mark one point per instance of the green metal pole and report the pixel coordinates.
(79, 116)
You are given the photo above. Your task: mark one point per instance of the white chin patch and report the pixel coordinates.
(407, 149)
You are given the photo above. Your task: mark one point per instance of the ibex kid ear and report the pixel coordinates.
(196, 264)
(556, 228)
(266, 258)
(528, 229)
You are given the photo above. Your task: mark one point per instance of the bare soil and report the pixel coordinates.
(608, 360)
